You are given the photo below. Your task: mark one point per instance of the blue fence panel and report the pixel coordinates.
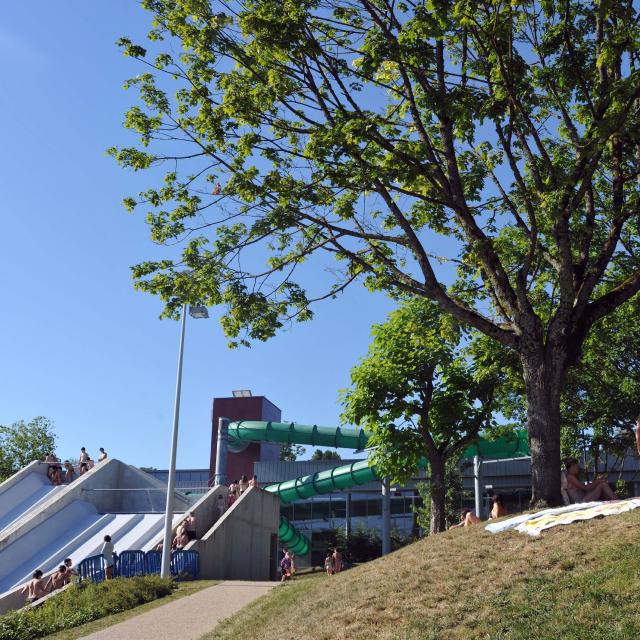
(185, 565)
(131, 563)
(92, 568)
(153, 561)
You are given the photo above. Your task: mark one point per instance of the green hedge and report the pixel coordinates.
(82, 603)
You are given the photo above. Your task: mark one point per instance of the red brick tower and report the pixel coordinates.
(251, 408)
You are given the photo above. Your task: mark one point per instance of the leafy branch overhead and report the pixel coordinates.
(365, 130)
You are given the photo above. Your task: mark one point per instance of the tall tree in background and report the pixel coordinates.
(23, 442)
(400, 139)
(291, 452)
(419, 393)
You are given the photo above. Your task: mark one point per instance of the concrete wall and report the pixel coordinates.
(205, 510)
(238, 546)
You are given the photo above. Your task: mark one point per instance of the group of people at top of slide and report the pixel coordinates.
(237, 488)
(41, 585)
(85, 463)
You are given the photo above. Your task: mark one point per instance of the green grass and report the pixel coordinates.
(580, 582)
(84, 603)
(181, 590)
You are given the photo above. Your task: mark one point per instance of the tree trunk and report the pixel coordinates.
(438, 491)
(544, 375)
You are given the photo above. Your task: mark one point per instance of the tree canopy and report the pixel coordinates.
(482, 155)
(23, 442)
(420, 393)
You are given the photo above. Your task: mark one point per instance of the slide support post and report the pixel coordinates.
(221, 452)
(477, 484)
(386, 516)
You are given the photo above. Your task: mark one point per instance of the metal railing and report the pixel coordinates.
(185, 565)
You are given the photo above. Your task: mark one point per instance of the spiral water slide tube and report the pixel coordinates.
(349, 475)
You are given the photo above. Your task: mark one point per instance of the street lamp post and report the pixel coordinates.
(165, 571)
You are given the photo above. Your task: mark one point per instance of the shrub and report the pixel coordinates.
(82, 603)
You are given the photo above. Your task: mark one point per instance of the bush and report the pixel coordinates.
(82, 603)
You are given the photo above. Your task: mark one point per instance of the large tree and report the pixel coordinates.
(421, 395)
(498, 138)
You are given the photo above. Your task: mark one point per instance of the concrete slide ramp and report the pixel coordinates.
(41, 525)
(23, 492)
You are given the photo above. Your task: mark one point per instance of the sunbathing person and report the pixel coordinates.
(578, 491)
(498, 510)
(467, 518)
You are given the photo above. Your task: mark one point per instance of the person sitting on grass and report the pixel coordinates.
(34, 589)
(57, 580)
(467, 518)
(578, 491)
(498, 510)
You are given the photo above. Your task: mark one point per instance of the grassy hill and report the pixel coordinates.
(580, 582)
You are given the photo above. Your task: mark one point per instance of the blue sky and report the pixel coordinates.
(78, 344)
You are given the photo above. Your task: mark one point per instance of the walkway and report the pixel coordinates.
(188, 618)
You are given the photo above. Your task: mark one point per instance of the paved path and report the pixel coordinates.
(187, 618)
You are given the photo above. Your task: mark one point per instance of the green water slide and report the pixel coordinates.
(292, 433)
(355, 473)
(291, 538)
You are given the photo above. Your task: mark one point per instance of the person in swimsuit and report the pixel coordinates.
(337, 560)
(83, 467)
(69, 472)
(498, 510)
(181, 540)
(232, 495)
(107, 553)
(190, 526)
(103, 455)
(254, 481)
(57, 580)
(54, 466)
(70, 570)
(329, 564)
(34, 589)
(467, 518)
(285, 565)
(243, 485)
(578, 491)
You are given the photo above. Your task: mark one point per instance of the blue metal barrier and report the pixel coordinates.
(153, 561)
(92, 568)
(131, 563)
(185, 565)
